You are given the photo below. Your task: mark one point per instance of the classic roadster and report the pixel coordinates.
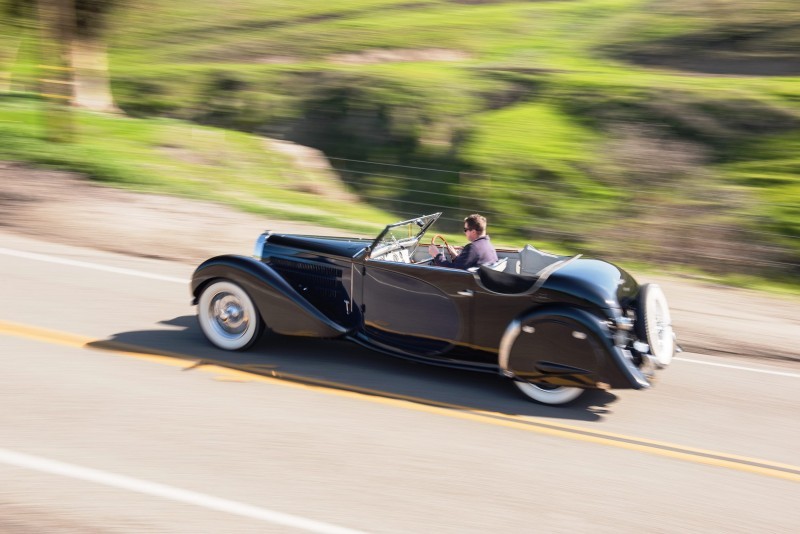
(555, 325)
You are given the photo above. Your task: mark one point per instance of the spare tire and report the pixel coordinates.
(654, 323)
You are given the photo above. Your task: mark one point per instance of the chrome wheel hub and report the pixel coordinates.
(228, 314)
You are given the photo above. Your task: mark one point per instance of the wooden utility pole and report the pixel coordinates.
(56, 19)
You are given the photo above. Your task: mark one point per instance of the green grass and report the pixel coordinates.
(175, 157)
(565, 40)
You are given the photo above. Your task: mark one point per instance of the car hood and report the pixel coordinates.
(335, 246)
(601, 283)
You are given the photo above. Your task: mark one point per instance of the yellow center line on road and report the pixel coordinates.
(543, 426)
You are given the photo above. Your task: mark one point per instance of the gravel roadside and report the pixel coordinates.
(64, 207)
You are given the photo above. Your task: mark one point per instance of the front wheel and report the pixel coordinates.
(227, 316)
(547, 394)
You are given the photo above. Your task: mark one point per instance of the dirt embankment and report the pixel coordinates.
(65, 207)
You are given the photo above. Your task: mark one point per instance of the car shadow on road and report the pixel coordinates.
(344, 365)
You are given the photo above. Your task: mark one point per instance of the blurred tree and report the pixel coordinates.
(17, 16)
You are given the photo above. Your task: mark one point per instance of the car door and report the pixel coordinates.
(418, 309)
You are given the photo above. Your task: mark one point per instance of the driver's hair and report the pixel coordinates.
(476, 222)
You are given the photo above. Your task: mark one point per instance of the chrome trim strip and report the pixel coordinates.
(352, 276)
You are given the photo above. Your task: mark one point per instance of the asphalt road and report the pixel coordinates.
(117, 416)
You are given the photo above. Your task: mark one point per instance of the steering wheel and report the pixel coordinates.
(439, 236)
(444, 241)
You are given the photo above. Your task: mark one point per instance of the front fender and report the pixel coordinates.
(566, 346)
(282, 309)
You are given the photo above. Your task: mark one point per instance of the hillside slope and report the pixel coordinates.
(661, 131)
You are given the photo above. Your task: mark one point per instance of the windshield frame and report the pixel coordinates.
(391, 238)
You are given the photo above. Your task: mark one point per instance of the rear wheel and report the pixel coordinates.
(227, 316)
(550, 339)
(547, 394)
(654, 323)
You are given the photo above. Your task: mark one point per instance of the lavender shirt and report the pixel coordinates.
(478, 252)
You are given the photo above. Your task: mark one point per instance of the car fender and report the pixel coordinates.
(586, 355)
(593, 282)
(282, 308)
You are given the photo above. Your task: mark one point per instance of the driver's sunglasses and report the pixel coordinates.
(467, 229)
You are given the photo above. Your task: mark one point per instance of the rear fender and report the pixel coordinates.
(281, 307)
(566, 346)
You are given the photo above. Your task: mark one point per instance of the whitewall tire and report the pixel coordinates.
(227, 316)
(656, 324)
(545, 394)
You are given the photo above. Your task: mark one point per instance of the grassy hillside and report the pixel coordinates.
(657, 130)
(175, 157)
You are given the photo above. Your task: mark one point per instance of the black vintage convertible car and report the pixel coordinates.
(555, 325)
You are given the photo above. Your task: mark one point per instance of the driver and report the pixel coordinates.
(478, 251)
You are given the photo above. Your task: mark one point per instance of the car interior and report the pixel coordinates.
(527, 261)
(516, 271)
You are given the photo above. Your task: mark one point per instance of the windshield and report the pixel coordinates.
(402, 234)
